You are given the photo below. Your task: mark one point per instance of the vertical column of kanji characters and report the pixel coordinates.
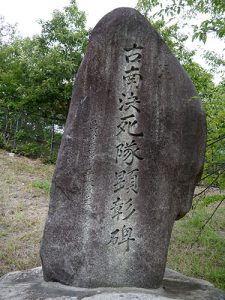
(127, 152)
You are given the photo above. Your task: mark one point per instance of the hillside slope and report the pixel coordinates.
(24, 189)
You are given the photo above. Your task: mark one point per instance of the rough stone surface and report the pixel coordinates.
(131, 154)
(29, 285)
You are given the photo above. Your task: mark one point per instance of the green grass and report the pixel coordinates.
(44, 185)
(205, 257)
(210, 199)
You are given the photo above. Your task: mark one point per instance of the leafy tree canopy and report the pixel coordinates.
(212, 13)
(36, 80)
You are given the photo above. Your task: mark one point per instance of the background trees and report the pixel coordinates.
(36, 80)
(37, 74)
(209, 12)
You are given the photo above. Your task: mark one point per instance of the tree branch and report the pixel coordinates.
(206, 222)
(217, 140)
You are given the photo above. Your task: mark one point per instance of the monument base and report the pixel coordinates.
(29, 284)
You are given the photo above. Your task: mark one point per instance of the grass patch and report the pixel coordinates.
(210, 199)
(204, 258)
(44, 185)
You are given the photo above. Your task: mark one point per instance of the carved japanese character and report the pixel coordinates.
(127, 152)
(132, 181)
(128, 123)
(125, 210)
(114, 237)
(132, 76)
(117, 208)
(126, 237)
(128, 209)
(134, 54)
(128, 102)
(120, 180)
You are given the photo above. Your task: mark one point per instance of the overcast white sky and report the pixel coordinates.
(27, 12)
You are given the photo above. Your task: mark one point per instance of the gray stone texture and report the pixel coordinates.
(131, 154)
(29, 285)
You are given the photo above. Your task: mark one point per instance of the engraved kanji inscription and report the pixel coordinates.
(114, 237)
(117, 208)
(133, 54)
(132, 181)
(128, 152)
(128, 124)
(126, 237)
(122, 209)
(132, 76)
(120, 180)
(129, 101)
(128, 209)
(126, 179)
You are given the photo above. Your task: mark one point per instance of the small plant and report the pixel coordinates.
(44, 185)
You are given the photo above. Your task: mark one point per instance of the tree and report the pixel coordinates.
(212, 13)
(215, 154)
(59, 52)
(36, 80)
(199, 19)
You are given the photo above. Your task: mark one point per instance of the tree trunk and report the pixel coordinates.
(6, 123)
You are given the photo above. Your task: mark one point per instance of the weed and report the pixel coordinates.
(44, 185)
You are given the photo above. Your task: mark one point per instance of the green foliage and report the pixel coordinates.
(61, 47)
(36, 79)
(28, 149)
(211, 11)
(215, 154)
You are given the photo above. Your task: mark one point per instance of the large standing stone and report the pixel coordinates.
(130, 157)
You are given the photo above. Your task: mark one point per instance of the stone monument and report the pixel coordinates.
(131, 155)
